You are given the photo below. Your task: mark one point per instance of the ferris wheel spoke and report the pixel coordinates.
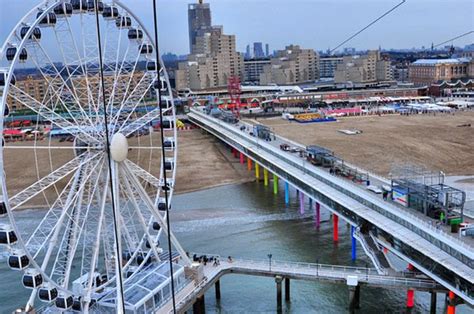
(70, 55)
(120, 76)
(143, 174)
(49, 114)
(134, 98)
(51, 74)
(47, 181)
(130, 77)
(38, 239)
(133, 197)
(152, 208)
(77, 216)
(41, 147)
(95, 242)
(141, 122)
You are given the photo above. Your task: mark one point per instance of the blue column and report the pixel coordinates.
(354, 247)
(310, 202)
(287, 193)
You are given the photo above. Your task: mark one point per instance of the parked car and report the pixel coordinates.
(285, 147)
(375, 189)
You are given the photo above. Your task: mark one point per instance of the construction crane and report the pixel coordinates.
(234, 90)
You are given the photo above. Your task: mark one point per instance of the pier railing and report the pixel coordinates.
(303, 271)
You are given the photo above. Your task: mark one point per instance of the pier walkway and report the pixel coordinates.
(299, 271)
(447, 259)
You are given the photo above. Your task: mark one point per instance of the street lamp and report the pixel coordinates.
(270, 261)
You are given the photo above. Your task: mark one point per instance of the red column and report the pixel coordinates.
(249, 164)
(451, 306)
(335, 223)
(410, 298)
(410, 267)
(236, 153)
(242, 158)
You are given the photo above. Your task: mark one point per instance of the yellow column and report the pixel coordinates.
(257, 171)
(265, 176)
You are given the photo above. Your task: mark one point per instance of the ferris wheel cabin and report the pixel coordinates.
(123, 22)
(32, 280)
(110, 12)
(135, 34)
(36, 34)
(47, 294)
(18, 261)
(79, 6)
(48, 20)
(63, 9)
(7, 235)
(11, 52)
(64, 302)
(91, 6)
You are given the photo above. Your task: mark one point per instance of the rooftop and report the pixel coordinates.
(440, 61)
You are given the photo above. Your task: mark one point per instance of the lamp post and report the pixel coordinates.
(270, 261)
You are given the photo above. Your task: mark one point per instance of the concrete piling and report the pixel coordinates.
(217, 286)
(301, 203)
(278, 280)
(317, 215)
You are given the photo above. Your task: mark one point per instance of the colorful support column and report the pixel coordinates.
(451, 304)
(257, 171)
(317, 215)
(410, 300)
(301, 203)
(310, 202)
(249, 164)
(265, 176)
(275, 184)
(287, 193)
(242, 158)
(335, 222)
(354, 244)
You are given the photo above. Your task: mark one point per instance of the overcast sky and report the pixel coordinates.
(318, 24)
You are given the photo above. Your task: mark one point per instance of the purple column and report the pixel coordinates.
(301, 203)
(317, 215)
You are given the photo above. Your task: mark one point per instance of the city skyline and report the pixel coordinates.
(413, 25)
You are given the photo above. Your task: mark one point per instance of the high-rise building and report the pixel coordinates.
(213, 61)
(267, 50)
(199, 19)
(328, 65)
(253, 68)
(367, 68)
(258, 50)
(291, 66)
(248, 54)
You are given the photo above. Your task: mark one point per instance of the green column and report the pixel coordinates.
(275, 184)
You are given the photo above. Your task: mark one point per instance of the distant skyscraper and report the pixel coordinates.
(267, 50)
(258, 50)
(248, 54)
(199, 18)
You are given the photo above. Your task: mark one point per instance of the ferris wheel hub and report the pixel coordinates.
(119, 147)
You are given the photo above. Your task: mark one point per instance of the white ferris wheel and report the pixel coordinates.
(103, 207)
